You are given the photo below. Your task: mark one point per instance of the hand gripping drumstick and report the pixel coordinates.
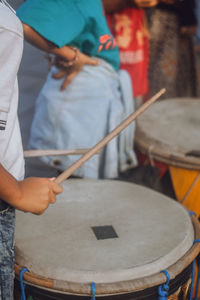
(63, 176)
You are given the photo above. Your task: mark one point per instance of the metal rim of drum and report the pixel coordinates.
(154, 149)
(122, 287)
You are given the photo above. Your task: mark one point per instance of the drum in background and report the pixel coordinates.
(169, 132)
(116, 234)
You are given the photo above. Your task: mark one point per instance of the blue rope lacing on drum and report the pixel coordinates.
(193, 277)
(164, 288)
(192, 213)
(22, 285)
(93, 291)
(197, 284)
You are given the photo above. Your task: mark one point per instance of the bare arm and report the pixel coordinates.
(40, 42)
(115, 5)
(30, 195)
(65, 53)
(33, 194)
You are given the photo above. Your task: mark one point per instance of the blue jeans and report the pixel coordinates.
(7, 225)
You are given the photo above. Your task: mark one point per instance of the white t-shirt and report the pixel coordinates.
(11, 47)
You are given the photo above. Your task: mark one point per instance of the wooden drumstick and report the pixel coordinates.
(53, 152)
(67, 173)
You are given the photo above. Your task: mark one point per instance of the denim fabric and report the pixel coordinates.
(7, 224)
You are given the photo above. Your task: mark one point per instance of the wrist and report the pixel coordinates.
(69, 62)
(10, 191)
(65, 53)
(13, 195)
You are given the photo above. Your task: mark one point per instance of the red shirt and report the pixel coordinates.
(128, 28)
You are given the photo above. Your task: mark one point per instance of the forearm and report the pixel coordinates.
(29, 195)
(115, 5)
(9, 187)
(43, 44)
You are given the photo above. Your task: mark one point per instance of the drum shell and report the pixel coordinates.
(153, 142)
(179, 287)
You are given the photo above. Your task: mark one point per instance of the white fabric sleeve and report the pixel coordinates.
(9, 64)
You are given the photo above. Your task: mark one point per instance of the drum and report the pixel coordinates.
(113, 236)
(169, 133)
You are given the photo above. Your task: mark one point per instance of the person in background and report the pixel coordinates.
(32, 194)
(93, 100)
(170, 55)
(172, 64)
(127, 22)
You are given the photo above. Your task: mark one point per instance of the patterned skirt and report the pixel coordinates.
(172, 58)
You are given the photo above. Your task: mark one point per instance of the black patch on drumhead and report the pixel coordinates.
(104, 232)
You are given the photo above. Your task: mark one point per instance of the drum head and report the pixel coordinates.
(103, 231)
(169, 131)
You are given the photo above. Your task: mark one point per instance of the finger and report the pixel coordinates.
(151, 4)
(188, 30)
(52, 178)
(52, 198)
(60, 74)
(67, 80)
(42, 208)
(92, 61)
(147, 3)
(56, 188)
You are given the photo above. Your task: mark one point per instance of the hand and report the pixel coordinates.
(146, 3)
(167, 1)
(70, 72)
(37, 194)
(188, 30)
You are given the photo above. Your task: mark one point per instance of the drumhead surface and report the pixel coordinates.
(169, 130)
(103, 231)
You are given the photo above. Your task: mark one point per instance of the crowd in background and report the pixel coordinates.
(157, 45)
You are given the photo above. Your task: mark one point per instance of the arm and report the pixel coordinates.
(40, 42)
(65, 53)
(30, 195)
(116, 5)
(33, 194)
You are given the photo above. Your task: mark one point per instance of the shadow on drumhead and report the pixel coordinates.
(148, 176)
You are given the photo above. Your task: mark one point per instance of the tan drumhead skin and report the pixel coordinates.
(153, 233)
(169, 129)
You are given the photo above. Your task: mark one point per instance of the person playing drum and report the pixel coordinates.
(32, 194)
